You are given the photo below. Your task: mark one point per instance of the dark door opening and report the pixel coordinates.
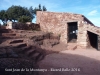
(93, 38)
(72, 32)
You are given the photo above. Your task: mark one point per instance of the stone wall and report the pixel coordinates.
(99, 42)
(57, 23)
(83, 39)
(26, 26)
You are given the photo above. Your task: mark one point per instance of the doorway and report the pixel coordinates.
(72, 32)
(93, 38)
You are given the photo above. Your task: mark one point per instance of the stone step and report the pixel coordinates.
(73, 41)
(39, 57)
(25, 49)
(35, 56)
(29, 52)
(71, 46)
(9, 37)
(8, 34)
(21, 50)
(18, 31)
(15, 41)
(19, 45)
(12, 41)
(5, 30)
(32, 52)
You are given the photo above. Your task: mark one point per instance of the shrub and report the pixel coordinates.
(24, 19)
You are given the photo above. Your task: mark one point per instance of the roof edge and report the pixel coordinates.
(60, 12)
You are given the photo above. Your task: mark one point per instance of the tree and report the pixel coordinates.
(2, 12)
(14, 12)
(31, 10)
(3, 16)
(24, 19)
(39, 9)
(44, 8)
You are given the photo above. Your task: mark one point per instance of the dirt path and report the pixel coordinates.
(68, 62)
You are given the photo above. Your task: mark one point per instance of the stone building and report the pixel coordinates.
(72, 28)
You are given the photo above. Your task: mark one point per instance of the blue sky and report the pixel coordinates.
(89, 8)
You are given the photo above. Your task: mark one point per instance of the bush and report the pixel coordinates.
(24, 19)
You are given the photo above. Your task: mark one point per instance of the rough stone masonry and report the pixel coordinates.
(57, 23)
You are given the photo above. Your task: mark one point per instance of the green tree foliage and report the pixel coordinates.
(2, 13)
(31, 11)
(18, 13)
(44, 8)
(39, 8)
(24, 19)
(3, 16)
(14, 12)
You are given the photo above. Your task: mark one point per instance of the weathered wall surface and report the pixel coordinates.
(99, 42)
(26, 26)
(57, 22)
(88, 26)
(83, 38)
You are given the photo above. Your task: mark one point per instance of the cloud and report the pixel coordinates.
(94, 12)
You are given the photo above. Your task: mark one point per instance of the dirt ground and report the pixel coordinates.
(58, 60)
(72, 62)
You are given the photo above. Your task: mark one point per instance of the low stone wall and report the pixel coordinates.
(23, 26)
(2, 27)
